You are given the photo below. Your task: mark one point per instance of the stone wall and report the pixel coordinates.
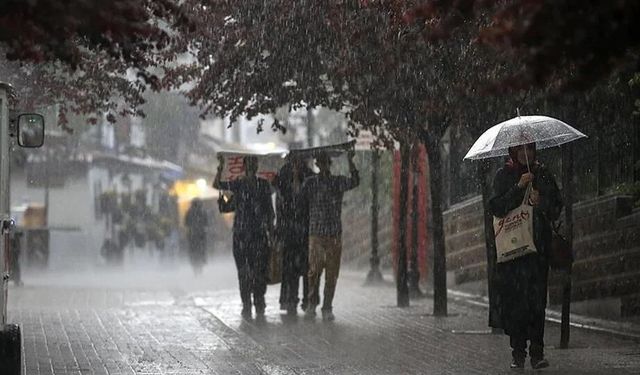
(607, 253)
(464, 241)
(606, 246)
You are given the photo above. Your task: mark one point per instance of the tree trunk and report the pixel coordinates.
(374, 276)
(635, 145)
(402, 279)
(432, 143)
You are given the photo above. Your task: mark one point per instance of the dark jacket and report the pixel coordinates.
(292, 209)
(253, 209)
(292, 213)
(522, 283)
(196, 221)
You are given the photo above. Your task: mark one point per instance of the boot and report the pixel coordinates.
(327, 315)
(517, 363)
(539, 363)
(246, 312)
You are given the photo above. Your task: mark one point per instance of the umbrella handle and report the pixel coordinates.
(526, 156)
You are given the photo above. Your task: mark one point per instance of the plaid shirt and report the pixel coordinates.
(324, 194)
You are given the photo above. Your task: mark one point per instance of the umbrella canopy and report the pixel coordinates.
(545, 131)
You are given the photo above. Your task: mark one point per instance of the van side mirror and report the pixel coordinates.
(30, 130)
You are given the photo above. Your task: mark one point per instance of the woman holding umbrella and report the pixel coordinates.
(522, 282)
(524, 187)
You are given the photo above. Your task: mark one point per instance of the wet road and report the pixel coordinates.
(162, 320)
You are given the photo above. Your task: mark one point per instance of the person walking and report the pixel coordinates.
(252, 227)
(292, 232)
(196, 221)
(522, 282)
(324, 192)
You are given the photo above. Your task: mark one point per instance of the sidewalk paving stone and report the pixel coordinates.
(117, 331)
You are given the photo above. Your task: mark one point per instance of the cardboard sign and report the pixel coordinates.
(268, 165)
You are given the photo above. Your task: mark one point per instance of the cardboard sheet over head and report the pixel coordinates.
(337, 153)
(268, 164)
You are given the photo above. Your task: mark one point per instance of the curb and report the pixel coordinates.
(618, 329)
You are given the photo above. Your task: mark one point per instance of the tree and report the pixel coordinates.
(361, 56)
(89, 55)
(567, 43)
(255, 56)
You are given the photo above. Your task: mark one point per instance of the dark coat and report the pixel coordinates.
(521, 284)
(292, 213)
(253, 208)
(196, 221)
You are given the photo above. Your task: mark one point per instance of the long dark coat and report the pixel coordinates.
(522, 283)
(196, 221)
(292, 212)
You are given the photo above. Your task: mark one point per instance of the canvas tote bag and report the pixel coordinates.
(514, 232)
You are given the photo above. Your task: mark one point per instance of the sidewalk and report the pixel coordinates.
(620, 328)
(155, 329)
(372, 336)
(623, 329)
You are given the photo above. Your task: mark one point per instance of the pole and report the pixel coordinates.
(414, 272)
(374, 275)
(401, 279)
(439, 252)
(310, 132)
(46, 187)
(567, 187)
(5, 219)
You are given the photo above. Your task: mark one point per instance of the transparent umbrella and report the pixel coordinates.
(545, 131)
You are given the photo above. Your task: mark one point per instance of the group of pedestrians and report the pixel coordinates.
(307, 227)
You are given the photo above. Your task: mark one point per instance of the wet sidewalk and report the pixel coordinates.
(372, 336)
(156, 329)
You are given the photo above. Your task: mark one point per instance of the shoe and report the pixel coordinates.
(310, 313)
(517, 364)
(327, 315)
(259, 311)
(539, 363)
(246, 313)
(292, 310)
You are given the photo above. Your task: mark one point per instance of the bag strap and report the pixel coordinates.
(527, 193)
